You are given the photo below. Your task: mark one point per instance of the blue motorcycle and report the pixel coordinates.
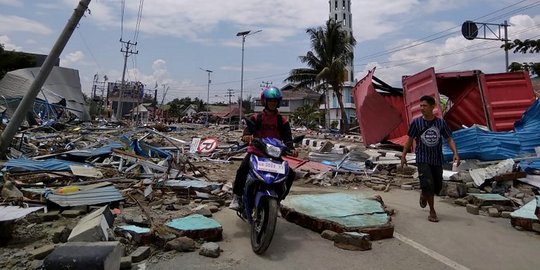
(265, 188)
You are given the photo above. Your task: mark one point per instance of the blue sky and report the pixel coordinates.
(176, 38)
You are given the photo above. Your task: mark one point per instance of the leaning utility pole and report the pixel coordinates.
(127, 52)
(44, 71)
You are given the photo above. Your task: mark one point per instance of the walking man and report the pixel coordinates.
(428, 132)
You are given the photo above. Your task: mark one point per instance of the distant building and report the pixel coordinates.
(293, 98)
(132, 95)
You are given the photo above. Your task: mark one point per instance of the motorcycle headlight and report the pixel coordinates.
(273, 151)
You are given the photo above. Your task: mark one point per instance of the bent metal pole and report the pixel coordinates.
(44, 72)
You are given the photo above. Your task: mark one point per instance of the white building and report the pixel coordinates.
(340, 10)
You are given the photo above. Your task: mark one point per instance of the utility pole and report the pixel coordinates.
(127, 52)
(265, 85)
(230, 93)
(207, 95)
(35, 87)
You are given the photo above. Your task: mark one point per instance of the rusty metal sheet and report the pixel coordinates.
(377, 118)
(306, 165)
(507, 97)
(398, 103)
(414, 87)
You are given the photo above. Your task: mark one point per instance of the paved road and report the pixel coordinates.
(459, 241)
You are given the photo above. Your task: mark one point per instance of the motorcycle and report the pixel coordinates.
(264, 189)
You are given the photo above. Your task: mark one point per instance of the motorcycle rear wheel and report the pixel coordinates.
(264, 225)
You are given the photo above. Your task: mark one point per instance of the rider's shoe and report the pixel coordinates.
(235, 203)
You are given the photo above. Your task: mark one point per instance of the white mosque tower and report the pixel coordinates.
(340, 11)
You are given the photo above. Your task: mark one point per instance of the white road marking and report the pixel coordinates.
(439, 257)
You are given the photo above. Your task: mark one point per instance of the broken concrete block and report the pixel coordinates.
(161, 239)
(71, 213)
(213, 208)
(140, 254)
(204, 212)
(379, 187)
(49, 216)
(210, 249)
(461, 202)
(493, 212)
(125, 262)
(490, 199)
(505, 214)
(197, 227)
(60, 234)
(9, 190)
(105, 211)
(138, 234)
(473, 209)
(536, 227)
(181, 244)
(455, 190)
(352, 241)
(42, 252)
(328, 234)
(407, 187)
(85, 256)
(91, 230)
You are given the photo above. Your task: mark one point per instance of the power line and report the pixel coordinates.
(429, 39)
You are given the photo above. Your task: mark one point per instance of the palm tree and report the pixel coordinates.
(332, 50)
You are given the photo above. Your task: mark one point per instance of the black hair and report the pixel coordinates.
(429, 99)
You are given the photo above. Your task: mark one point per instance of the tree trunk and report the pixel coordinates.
(344, 127)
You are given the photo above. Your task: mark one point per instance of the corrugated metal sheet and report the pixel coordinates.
(376, 117)
(475, 143)
(416, 86)
(507, 96)
(87, 197)
(23, 165)
(528, 128)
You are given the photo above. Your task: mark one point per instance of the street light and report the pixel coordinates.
(207, 95)
(243, 34)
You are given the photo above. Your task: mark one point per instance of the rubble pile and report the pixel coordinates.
(117, 191)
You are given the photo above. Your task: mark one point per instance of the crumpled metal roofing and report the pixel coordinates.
(23, 165)
(476, 143)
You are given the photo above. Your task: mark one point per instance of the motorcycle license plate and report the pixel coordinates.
(271, 167)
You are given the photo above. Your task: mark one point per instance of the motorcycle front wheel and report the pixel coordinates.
(264, 225)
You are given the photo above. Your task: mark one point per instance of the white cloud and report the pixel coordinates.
(7, 24)
(72, 58)
(455, 53)
(15, 3)
(8, 46)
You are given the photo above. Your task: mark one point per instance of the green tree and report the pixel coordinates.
(332, 49)
(525, 46)
(308, 116)
(246, 105)
(11, 60)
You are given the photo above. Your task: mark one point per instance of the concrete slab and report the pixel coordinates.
(525, 216)
(85, 256)
(479, 199)
(339, 212)
(197, 227)
(91, 230)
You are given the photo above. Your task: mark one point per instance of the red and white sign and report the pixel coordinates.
(207, 145)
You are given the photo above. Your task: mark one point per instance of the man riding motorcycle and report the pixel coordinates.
(269, 123)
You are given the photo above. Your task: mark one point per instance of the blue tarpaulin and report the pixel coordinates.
(475, 143)
(144, 149)
(95, 152)
(24, 165)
